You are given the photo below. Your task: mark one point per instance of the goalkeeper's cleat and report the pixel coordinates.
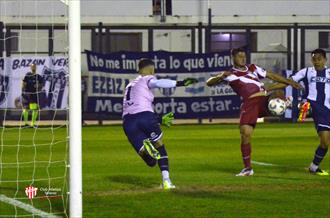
(167, 184)
(288, 102)
(319, 172)
(152, 151)
(246, 172)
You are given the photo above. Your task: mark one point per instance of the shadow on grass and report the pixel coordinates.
(206, 167)
(235, 195)
(138, 181)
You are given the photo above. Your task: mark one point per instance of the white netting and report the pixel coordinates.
(33, 159)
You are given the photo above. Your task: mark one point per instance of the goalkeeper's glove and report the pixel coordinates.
(167, 119)
(186, 82)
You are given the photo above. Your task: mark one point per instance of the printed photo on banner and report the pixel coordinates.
(54, 71)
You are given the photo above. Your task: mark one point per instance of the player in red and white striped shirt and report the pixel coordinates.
(245, 80)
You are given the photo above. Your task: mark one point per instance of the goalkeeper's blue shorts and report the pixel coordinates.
(321, 116)
(141, 126)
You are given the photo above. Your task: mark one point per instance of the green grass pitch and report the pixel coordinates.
(203, 161)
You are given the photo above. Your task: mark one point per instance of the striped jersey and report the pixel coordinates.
(246, 82)
(317, 84)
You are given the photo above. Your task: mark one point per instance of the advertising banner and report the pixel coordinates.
(109, 74)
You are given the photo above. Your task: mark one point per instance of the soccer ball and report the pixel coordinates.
(277, 106)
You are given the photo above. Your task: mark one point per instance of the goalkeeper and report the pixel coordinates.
(31, 87)
(141, 125)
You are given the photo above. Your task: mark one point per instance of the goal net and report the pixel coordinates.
(34, 110)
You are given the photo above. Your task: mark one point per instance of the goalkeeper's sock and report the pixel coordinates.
(319, 155)
(246, 155)
(25, 116)
(34, 117)
(163, 160)
(166, 175)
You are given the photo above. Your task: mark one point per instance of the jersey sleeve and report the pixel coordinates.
(148, 79)
(261, 73)
(161, 83)
(230, 78)
(300, 75)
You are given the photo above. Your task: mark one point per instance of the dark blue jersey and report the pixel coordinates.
(33, 82)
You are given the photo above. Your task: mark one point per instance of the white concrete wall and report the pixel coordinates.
(180, 7)
(188, 11)
(251, 7)
(268, 37)
(138, 12)
(172, 40)
(32, 41)
(88, 7)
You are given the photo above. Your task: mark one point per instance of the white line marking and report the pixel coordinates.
(263, 163)
(277, 165)
(26, 207)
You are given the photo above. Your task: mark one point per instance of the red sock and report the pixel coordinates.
(246, 154)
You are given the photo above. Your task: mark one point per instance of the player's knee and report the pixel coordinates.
(245, 137)
(325, 143)
(245, 134)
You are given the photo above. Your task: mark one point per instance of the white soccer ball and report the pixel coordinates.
(277, 106)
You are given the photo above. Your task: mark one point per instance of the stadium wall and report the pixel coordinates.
(286, 30)
(183, 11)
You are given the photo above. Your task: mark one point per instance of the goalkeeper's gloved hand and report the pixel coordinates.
(187, 82)
(167, 119)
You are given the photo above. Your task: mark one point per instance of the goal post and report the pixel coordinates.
(75, 109)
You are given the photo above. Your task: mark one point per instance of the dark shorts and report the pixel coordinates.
(252, 109)
(141, 126)
(30, 98)
(321, 116)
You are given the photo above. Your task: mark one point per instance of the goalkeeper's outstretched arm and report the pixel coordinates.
(168, 83)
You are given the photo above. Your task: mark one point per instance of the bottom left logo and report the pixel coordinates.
(31, 191)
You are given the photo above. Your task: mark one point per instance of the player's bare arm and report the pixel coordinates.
(276, 86)
(278, 78)
(218, 78)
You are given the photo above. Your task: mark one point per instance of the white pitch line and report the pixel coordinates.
(276, 165)
(26, 207)
(263, 163)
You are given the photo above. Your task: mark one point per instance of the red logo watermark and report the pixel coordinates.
(31, 191)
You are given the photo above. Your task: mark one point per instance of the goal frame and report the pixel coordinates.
(75, 132)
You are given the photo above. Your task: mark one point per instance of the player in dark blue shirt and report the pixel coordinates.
(31, 88)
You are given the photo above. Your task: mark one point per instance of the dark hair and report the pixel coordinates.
(235, 51)
(319, 51)
(145, 62)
